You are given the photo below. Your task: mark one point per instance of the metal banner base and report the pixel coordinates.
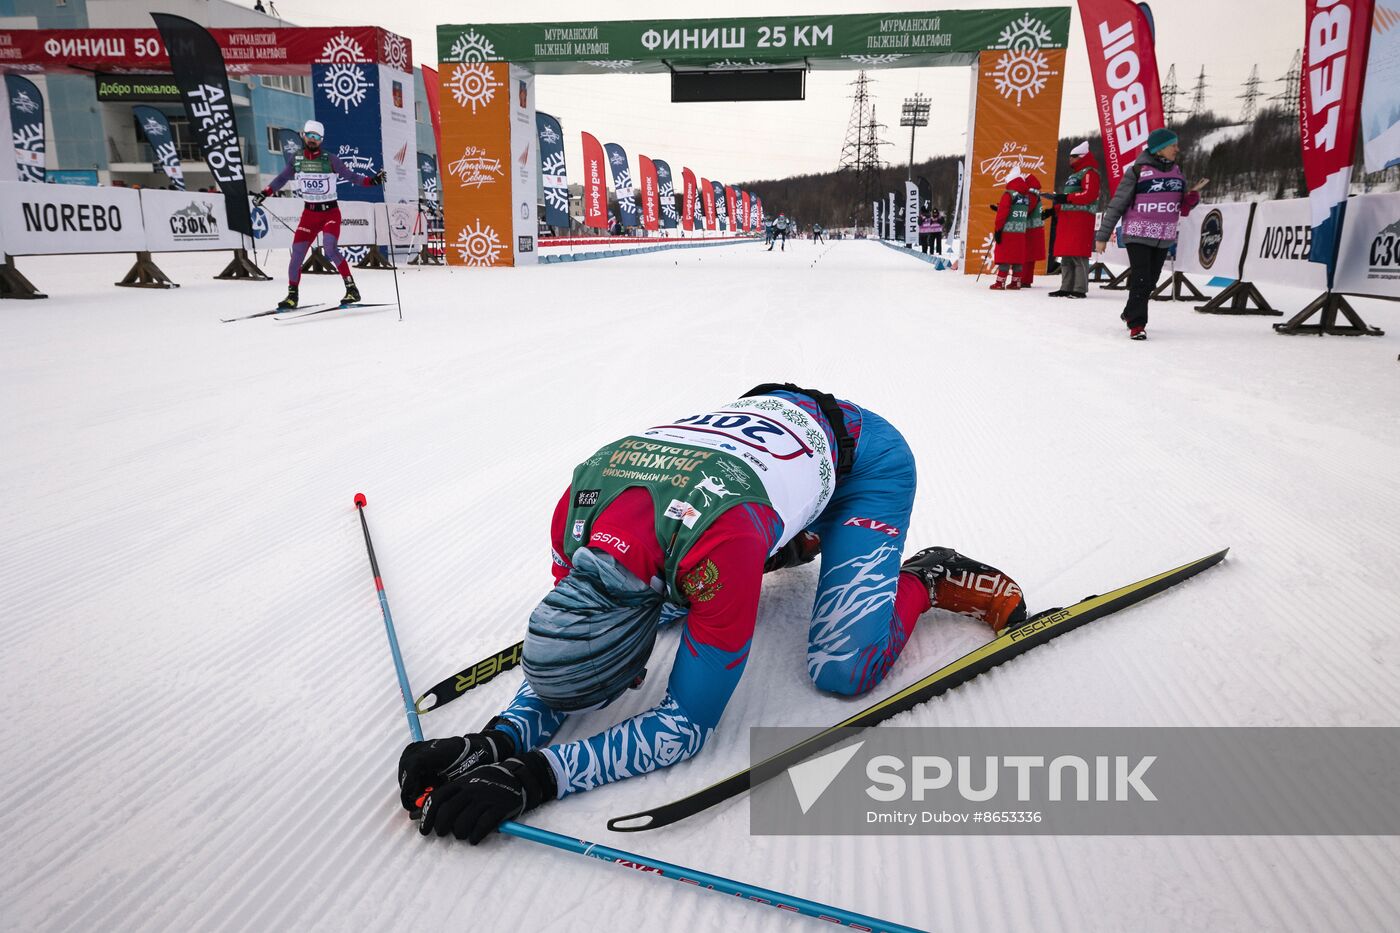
(374, 259)
(1236, 298)
(1329, 304)
(1119, 282)
(1177, 282)
(317, 263)
(144, 273)
(241, 267)
(13, 284)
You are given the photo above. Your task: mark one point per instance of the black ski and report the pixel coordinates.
(350, 307)
(473, 676)
(1037, 630)
(248, 317)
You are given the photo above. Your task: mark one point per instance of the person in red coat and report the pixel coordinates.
(1074, 227)
(1035, 231)
(1009, 233)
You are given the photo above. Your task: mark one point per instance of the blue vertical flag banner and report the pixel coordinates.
(428, 178)
(26, 126)
(199, 70)
(623, 185)
(346, 96)
(155, 126)
(721, 209)
(553, 172)
(670, 217)
(288, 143)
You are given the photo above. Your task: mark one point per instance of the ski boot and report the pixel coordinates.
(963, 585)
(352, 293)
(1137, 333)
(802, 549)
(290, 302)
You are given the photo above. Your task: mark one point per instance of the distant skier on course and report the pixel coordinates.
(688, 516)
(780, 229)
(316, 172)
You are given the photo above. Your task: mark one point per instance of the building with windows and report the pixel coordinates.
(93, 136)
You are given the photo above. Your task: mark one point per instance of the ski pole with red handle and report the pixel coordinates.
(412, 713)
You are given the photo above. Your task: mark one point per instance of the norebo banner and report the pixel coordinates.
(59, 219)
(1280, 244)
(1083, 781)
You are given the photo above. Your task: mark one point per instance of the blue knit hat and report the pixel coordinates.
(1159, 139)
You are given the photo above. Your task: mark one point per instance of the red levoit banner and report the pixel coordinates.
(1123, 61)
(1334, 73)
(245, 51)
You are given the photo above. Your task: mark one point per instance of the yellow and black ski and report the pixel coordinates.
(1036, 630)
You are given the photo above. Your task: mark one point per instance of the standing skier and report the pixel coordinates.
(1009, 233)
(1035, 231)
(780, 229)
(316, 172)
(1074, 223)
(1151, 198)
(817, 234)
(691, 514)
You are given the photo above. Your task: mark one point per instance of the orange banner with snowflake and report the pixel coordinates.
(475, 163)
(1015, 130)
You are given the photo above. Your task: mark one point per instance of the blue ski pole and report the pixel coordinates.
(412, 713)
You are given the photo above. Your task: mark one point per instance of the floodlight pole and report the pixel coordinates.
(914, 114)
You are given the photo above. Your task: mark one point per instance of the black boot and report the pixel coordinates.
(290, 302)
(802, 549)
(352, 293)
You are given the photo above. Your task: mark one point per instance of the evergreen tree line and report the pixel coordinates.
(1265, 160)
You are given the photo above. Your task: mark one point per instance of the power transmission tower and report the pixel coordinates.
(1169, 92)
(1292, 83)
(1251, 95)
(860, 155)
(1198, 96)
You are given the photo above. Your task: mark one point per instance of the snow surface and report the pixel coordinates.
(201, 723)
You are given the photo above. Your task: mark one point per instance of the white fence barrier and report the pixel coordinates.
(39, 220)
(1369, 262)
(1279, 244)
(1211, 239)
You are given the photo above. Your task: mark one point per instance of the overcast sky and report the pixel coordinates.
(746, 142)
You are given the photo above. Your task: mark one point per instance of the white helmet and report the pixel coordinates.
(314, 126)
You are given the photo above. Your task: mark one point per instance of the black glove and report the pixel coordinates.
(379, 177)
(472, 807)
(1060, 198)
(425, 765)
(258, 198)
(996, 237)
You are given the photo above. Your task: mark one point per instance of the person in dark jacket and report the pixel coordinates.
(1074, 223)
(1151, 198)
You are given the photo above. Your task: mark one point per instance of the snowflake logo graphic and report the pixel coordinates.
(354, 254)
(623, 179)
(30, 139)
(473, 85)
(874, 59)
(1024, 34)
(621, 64)
(395, 51)
(479, 245)
(430, 190)
(471, 46)
(548, 135)
(346, 86)
(553, 164)
(557, 198)
(988, 247)
(342, 48)
(1022, 72)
